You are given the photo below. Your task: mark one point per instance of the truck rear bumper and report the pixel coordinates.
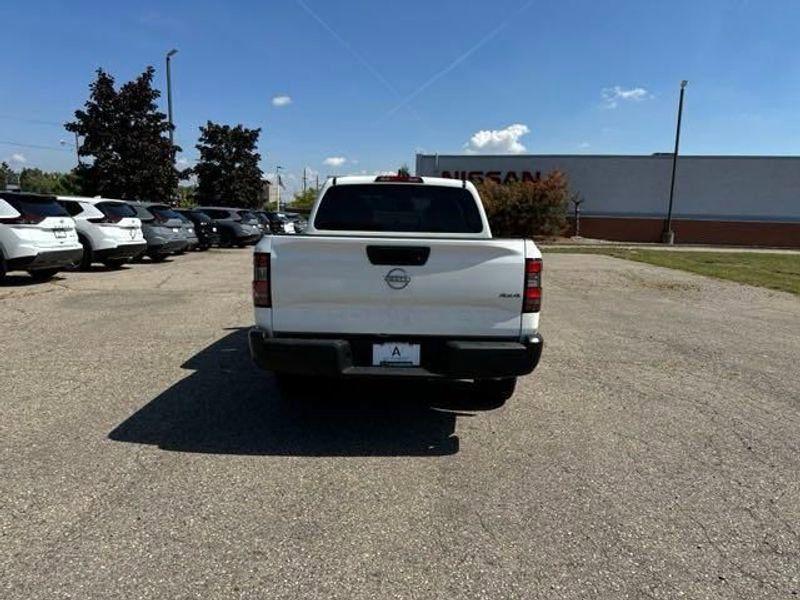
(453, 359)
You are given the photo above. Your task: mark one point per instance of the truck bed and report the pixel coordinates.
(390, 286)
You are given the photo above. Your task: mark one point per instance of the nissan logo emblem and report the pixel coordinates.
(397, 279)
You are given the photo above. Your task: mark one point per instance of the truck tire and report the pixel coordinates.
(493, 393)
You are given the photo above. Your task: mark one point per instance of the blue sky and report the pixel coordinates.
(371, 82)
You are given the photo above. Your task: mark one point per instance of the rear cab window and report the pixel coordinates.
(398, 207)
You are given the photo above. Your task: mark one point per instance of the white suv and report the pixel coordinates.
(36, 235)
(109, 230)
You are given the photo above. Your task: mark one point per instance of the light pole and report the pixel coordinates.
(77, 147)
(577, 202)
(668, 236)
(278, 183)
(170, 54)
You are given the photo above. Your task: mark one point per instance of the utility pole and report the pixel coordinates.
(170, 54)
(668, 237)
(317, 181)
(304, 180)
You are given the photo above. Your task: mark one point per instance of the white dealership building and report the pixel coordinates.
(738, 200)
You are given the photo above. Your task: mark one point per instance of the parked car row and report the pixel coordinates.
(279, 222)
(44, 234)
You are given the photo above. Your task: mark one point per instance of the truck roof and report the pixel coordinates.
(363, 179)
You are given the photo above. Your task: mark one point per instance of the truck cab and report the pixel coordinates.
(398, 276)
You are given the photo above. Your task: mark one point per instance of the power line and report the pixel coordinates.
(21, 145)
(34, 121)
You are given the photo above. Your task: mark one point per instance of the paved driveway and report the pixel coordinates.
(653, 454)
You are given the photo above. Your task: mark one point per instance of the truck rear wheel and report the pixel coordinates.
(494, 392)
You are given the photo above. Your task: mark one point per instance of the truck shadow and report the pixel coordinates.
(229, 406)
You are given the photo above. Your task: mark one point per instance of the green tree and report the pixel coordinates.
(304, 199)
(186, 195)
(126, 138)
(227, 171)
(43, 182)
(7, 175)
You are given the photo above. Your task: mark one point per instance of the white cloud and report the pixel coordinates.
(18, 158)
(335, 161)
(282, 100)
(182, 162)
(612, 96)
(498, 141)
(584, 145)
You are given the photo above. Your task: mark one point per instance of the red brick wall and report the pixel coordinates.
(729, 233)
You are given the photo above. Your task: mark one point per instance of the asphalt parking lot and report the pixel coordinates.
(653, 454)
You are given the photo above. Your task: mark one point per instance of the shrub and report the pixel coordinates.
(527, 208)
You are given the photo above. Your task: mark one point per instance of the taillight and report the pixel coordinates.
(261, 284)
(532, 301)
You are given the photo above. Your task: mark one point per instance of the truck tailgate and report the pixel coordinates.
(422, 286)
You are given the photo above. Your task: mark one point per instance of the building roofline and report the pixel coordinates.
(657, 155)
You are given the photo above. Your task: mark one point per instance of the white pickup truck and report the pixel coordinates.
(398, 276)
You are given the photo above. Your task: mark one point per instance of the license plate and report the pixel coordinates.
(395, 355)
(60, 233)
